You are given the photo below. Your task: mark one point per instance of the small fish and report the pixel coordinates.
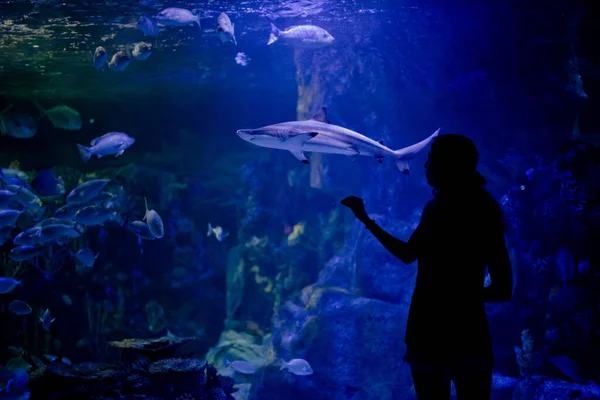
(62, 117)
(217, 231)
(6, 196)
(67, 300)
(155, 224)
(297, 366)
(141, 230)
(29, 237)
(148, 26)
(119, 61)
(95, 215)
(54, 221)
(177, 17)
(111, 143)
(225, 29)
(302, 36)
(17, 124)
(100, 57)
(68, 211)
(57, 233)
(9, 217)
(86, 257)
(242, 367)
(23, 253)
(19, 307)
(7, 173)
(86, 191)
(141, 51)
(8, 284)
(46, 184)
(242, 59)
(46, 319)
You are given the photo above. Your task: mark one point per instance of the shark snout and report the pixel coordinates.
(245, 134)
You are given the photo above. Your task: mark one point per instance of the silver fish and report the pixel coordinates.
(297, 366)
(87, 190)
(148, 26)
(62, 117)
(302, 36)
(141, 51)
(100, 57)
(9, 217)
(217, 231)
(6, 196)
(22, 253)
(19, 307)
(46, 319)
(94, 216)
(111, 143)
(225, 29)
(17, 124)
(29, 237)
(54, 221)
(86, 257)
(58, 233)
(8, 284)
(243, 367)
(7, 173)
(318, 135)
(177, 17)
(141, 230)
(155, 224)
(119, 61)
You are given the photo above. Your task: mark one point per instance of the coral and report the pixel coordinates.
(525, 354)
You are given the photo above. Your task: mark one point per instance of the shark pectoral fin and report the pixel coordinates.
(299, 139)
(300, 156)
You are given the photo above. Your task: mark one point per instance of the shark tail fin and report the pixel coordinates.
(274, 34)
(403, 156)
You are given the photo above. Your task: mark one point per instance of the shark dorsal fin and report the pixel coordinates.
(321, 115)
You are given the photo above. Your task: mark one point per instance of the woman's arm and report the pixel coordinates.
(399, 248)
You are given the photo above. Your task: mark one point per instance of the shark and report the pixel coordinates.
(320, 136)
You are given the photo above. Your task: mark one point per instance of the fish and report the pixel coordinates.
(217, 231)
(297, 366)
(155, 224)
(57, 233)
(9, 217)
(140, 229)
(23, 253)
(111, 143)
(8, 284)
(177, 17)
(86, 191)
(68, 211)
(29, 237)
(302, 36)
(225, 29)
(95, 215)
(100, 57)
(46, 319)
(243, 367)
(119, 61)
(17, 124)
(141, 51)
(86, 257)
(19, 307)
(53, 221)
(62, 117)
(8, 173)
(318, 135)
(148, 26)
(46, 184)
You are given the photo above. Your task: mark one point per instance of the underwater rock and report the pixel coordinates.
(156, 349)
(542, 387)
(356, 354)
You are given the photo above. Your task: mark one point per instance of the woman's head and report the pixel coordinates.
(452, 163)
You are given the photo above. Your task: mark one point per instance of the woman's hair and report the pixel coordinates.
(455, 158)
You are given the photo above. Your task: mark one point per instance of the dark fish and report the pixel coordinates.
(19, 307)
(23, 253)
(100, 57)
(17, 124)
(119, 61)
(62, 117)
(86, 191)
(46, 184)
(7, 284)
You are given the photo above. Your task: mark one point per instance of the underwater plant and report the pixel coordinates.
(524, 354)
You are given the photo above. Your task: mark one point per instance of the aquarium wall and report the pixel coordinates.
(169, 231)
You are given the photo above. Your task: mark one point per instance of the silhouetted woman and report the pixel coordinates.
(461, 232)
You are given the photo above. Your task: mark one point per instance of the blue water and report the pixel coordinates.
(288, 273)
